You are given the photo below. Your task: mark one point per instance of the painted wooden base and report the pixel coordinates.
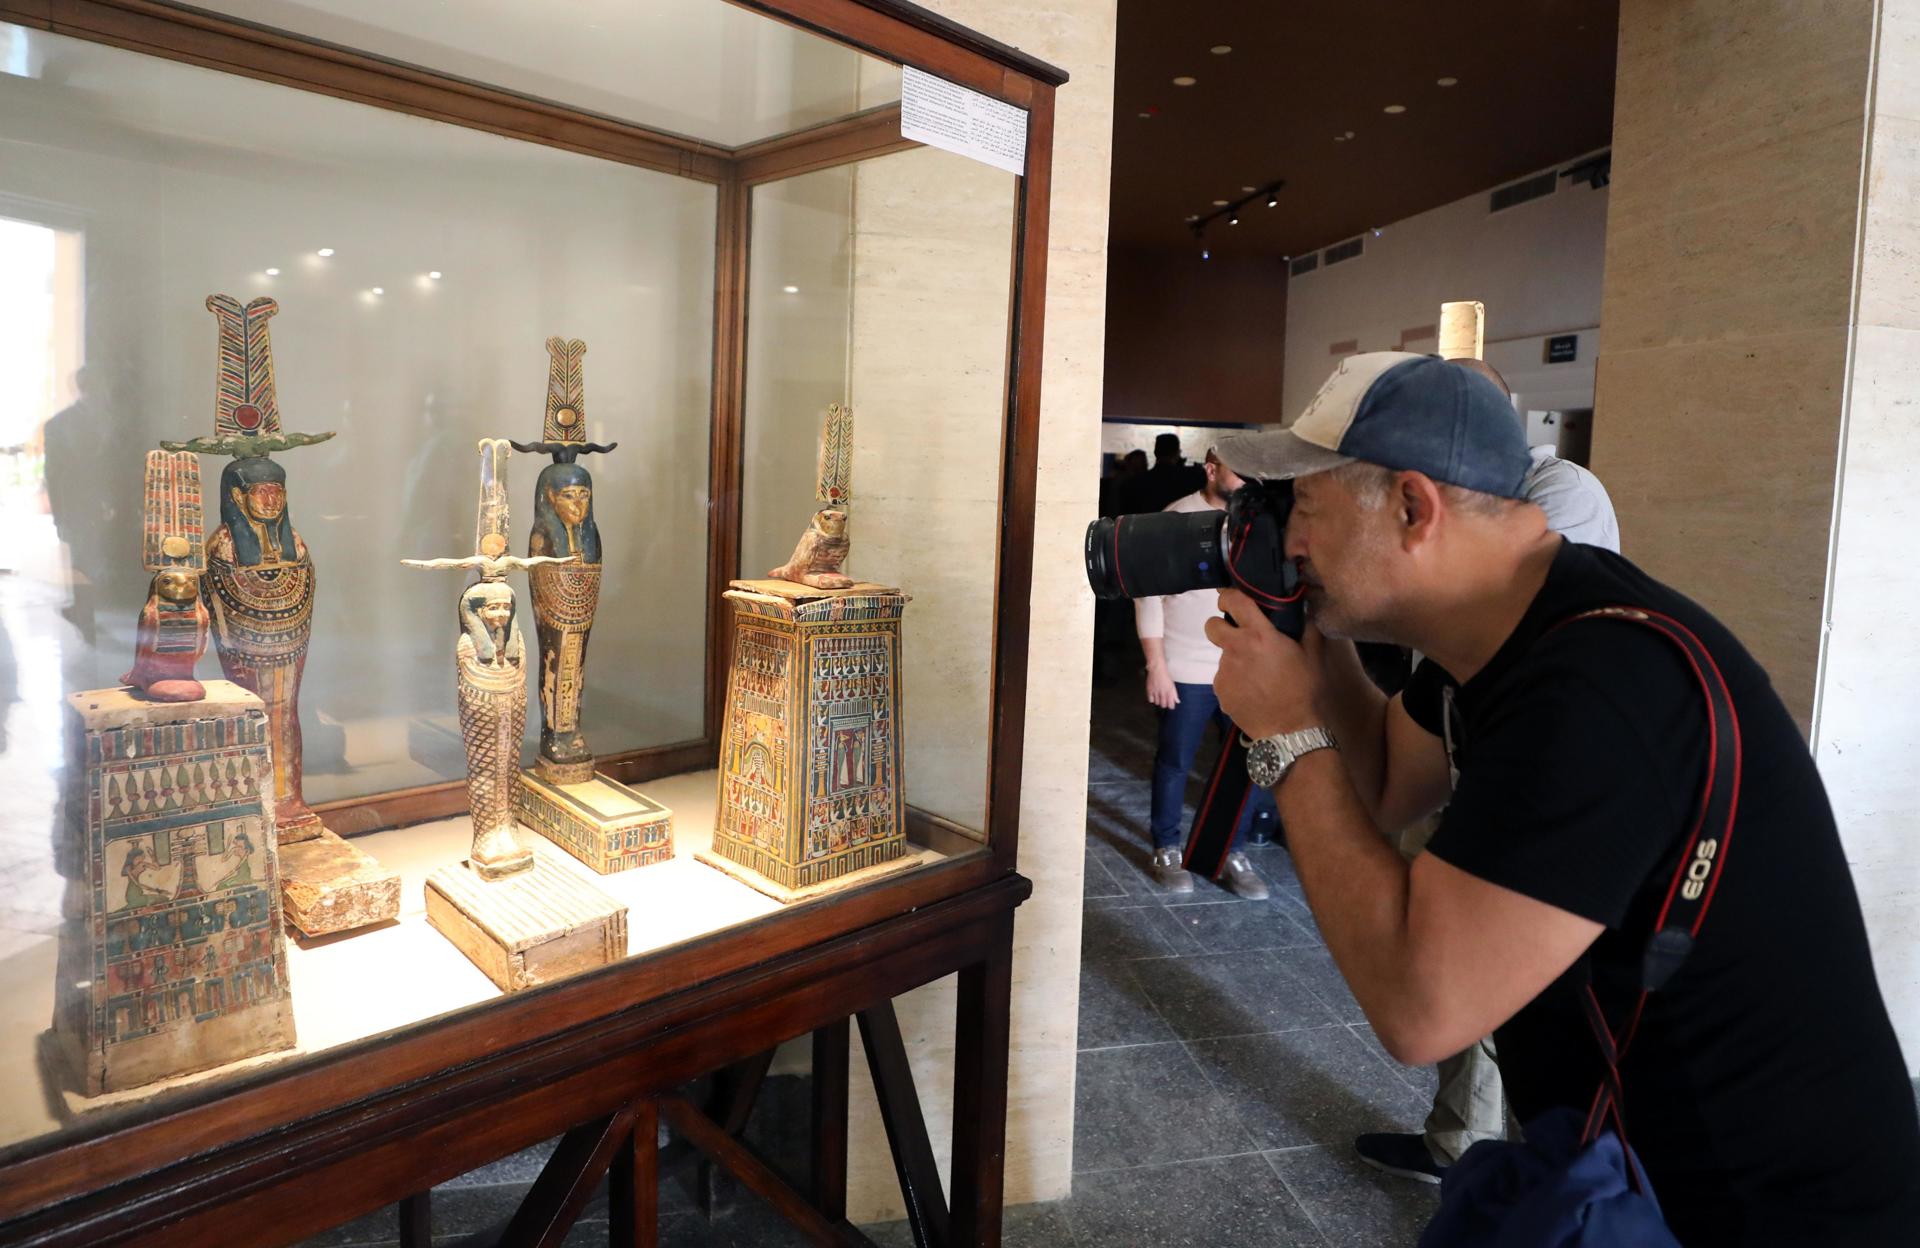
(530, 928)
(328, 885)
(602, 822)
(781, 893)
(172, 957)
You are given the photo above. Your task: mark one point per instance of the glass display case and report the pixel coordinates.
(776, 327)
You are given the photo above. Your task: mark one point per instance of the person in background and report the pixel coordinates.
(1131, 492)
(1171, 476)
(1469, 1104)
(1180, 667)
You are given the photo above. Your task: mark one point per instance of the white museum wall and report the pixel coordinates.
(1868, 683)
(185, 182)
(1537, 266)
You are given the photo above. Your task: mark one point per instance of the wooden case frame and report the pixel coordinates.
(291, 1149)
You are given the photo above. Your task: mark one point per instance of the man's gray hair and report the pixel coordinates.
(1371, 486)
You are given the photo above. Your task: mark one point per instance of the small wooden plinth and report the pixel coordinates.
(328, 885)
(602, 822)
(530, 928)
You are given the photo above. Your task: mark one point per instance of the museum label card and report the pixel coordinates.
(947, 115)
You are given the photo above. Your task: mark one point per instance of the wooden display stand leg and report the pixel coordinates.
(981, 1039)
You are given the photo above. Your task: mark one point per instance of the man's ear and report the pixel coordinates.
(1416, 500)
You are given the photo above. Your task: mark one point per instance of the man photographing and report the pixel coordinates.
(1763, 1088)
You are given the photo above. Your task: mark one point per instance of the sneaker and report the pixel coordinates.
(1404, 1155)
(1168, 872)
(1243, 879)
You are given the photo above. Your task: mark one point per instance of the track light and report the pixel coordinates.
(1233, 219)
(1273, 199)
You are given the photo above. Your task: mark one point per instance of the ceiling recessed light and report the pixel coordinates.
(379, 290)
(1146, 114)
(1185, 80)
(434, 275)
(1193, 216)
(791, 290)
(1394, 108)
(324, 252)
(1339, 138)
(1219, 203)
(273, 272)
(1249, 189)
(1446, 82)
(1221, 49)
(1349, 134)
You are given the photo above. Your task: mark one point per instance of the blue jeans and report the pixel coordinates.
(1181, 730)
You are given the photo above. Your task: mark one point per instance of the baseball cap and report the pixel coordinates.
(1412, 413)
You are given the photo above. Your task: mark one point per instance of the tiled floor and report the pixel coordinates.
(1224, 1070)
(1224, 1067)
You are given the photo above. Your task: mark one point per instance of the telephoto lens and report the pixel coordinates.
(1156, 552)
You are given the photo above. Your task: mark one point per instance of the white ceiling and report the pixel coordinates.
(700, 68)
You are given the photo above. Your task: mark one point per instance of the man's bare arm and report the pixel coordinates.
(1436, 957)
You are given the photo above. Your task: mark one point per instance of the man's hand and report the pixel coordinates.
(1160, 690)
(1267, 683)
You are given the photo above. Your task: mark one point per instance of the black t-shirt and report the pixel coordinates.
(1765, 1091)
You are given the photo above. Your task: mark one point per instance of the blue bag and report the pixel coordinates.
(1554, 1191)
(1573, 1183)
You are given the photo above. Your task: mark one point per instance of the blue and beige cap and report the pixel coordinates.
(1412, 413)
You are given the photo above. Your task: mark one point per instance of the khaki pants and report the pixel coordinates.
(1470, 1104)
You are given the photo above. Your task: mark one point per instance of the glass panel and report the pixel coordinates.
(418, 269)
(696, 68)
(886, 285)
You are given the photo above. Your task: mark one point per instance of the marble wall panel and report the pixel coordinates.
(1078, 35)
(1720, 460)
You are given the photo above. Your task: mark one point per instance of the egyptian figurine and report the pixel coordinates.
(491, 672)
(170, 638)
(821, 554)
(819, 559)
(490, 675)
(171, 633)
(565, 595)
(261, 584)
(260, 581)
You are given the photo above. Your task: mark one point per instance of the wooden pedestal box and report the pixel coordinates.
(173, 956)
(602, 822)
(810, 748)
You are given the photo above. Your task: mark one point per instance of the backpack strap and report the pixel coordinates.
(1703, 857)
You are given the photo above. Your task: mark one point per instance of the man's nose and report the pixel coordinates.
(1295, 543)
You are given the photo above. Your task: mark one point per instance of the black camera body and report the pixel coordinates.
(1171, 552)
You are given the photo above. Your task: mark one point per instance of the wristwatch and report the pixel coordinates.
(1270, 758)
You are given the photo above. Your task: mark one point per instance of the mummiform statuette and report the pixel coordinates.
(260, 587)
(598, 820)
(517, 916)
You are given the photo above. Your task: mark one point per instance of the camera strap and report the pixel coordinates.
(1221, 806)
(1703, 857)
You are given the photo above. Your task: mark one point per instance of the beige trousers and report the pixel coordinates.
(1470, 1104)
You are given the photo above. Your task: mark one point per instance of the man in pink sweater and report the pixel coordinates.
(1180, 666)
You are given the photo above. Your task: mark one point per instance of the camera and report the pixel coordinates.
(1171, 552)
